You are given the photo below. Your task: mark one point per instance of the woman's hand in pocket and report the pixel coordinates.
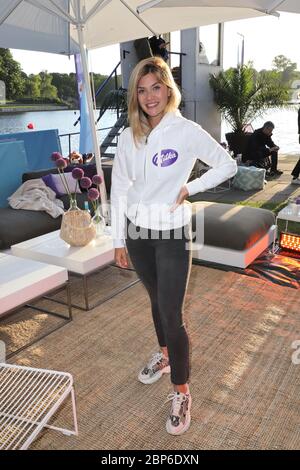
(183, 194)
(121, 258)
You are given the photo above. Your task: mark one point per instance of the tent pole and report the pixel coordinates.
(92, 118)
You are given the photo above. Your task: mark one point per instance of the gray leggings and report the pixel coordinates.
(163, 266)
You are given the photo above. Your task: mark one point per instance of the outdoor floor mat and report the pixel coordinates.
(245, 378)
(281, 268)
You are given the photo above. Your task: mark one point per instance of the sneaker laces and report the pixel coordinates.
(156, 357)
(177, 400)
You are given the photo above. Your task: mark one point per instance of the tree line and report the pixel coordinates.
(44, 87)
(61, 88)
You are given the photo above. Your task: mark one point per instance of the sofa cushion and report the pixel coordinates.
(30, 175)
(232, 226)
(62, 184)
(17, 225)
(49, 182)
(249, 178)
(89, 170)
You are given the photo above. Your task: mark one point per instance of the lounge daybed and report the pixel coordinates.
(233, 235)
(20, 225)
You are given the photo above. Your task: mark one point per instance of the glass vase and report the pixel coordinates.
(99, 222)
(73, 205)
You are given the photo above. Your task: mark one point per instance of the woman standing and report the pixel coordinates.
(154, 159)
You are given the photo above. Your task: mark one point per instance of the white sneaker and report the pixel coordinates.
(180, 415)
(295, 181)
(156, 367)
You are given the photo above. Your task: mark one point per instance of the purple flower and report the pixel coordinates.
(61, 163)
(55, 156)
(97, 179)
(85, 182)
(93, 194)
(77, 173)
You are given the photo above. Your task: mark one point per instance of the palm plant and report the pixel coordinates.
(242, 94)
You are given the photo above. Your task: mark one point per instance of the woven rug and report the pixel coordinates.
(244, 385)
(25, 325)
(282, 269)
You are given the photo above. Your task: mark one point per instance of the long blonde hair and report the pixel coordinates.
(137, 119)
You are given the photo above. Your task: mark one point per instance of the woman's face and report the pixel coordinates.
(152, 97)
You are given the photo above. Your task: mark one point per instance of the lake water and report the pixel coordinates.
(62, 120)
(285, 133)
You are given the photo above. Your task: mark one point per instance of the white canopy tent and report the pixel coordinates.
(51, 25)
(71, 26)
(268, 7)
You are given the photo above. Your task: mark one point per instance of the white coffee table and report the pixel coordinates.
(82, 261)
(23, 281)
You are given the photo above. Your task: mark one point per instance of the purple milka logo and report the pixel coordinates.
(168, 157)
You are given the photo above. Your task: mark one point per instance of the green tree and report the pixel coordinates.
(33, 86)
(285, 67)
(11, 74)
(48, 90)
(66, 86)
(281, 62)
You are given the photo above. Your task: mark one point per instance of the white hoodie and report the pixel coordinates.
(146, 179)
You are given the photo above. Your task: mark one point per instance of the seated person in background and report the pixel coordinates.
(261, 150)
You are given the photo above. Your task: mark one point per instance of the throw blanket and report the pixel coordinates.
(34, 195)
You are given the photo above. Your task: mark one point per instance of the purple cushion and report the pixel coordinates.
(56, 183)
(49, 182)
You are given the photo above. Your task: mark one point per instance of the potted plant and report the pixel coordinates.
(243, 94)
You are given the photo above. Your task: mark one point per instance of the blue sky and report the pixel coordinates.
(265, 38)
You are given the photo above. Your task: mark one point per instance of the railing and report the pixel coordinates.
(181, 54)
(103, 86)
(116, 87)
(71, 134)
